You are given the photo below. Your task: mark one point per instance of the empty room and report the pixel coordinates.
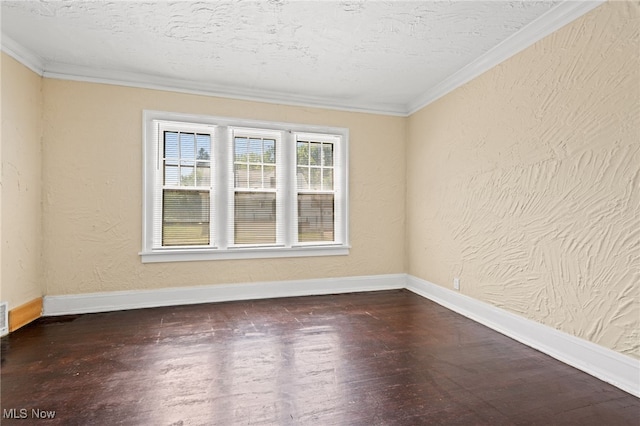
(320, 212)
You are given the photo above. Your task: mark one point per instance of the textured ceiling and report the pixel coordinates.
(374, 55)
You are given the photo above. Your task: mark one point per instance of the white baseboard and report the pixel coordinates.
(135, 299)
(605, 364)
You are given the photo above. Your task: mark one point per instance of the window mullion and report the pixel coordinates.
(221, 187)
(156, 215)
(287, 179)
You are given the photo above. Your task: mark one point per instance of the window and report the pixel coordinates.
(316, 195)
(221, 188)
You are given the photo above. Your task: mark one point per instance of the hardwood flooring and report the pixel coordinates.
(380, 358)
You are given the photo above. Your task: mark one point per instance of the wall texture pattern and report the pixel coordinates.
(92, 194)
(525, 182)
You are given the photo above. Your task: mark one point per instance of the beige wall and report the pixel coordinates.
(21, 159)
(525, 182)
(93, 188)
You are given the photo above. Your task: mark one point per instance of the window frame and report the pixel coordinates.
(337, 168)
(235, 131)
(172, 126)
(222, 188)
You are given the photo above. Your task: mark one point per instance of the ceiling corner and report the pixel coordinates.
(22, 54)
(553, 20)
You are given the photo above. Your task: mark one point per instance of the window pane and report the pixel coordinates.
(185, 218)
(242, 149)
(316, 178)
(203, 173)
(269, 176)
(170, 175)
(302, 153)
(203, 143)
(303, 177)
(255, 218)
(269, 151)
(255, 150)
(315, 154)
(327, 179)
(187, 146)
(315, 217)
(255, 176)
(327, 154)
(241, 176)
(186, 176)
(170, 145)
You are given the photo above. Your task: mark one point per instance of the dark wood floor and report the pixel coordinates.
(383, 358)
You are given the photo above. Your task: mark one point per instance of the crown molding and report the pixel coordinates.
(147, 81)
(22, 55)
(551, 21)
(554, 19)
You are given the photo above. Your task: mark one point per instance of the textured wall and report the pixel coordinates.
(21, 216)
(525, 182)
(92, 157)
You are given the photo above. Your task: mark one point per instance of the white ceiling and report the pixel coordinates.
(379, 56)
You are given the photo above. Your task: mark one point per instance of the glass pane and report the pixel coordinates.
(315, 154)
(316, 178)
(187, 177)
(170, 145)
(203, 143)
(203, 173)
(255, 176)
(170, 175)
(255, 218)
(327, 179)
(302, 153)
(242, 149)
(187, 146)
(269, 151)
(315, 217)
(241, 176)
(185, 218)
(303, 177)
(327, 154)
(255, 150)
(269, 176)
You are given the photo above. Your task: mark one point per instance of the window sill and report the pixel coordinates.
(192, 255)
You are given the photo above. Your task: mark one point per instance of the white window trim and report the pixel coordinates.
(339, 228)
(223, 168)
(236, 131)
